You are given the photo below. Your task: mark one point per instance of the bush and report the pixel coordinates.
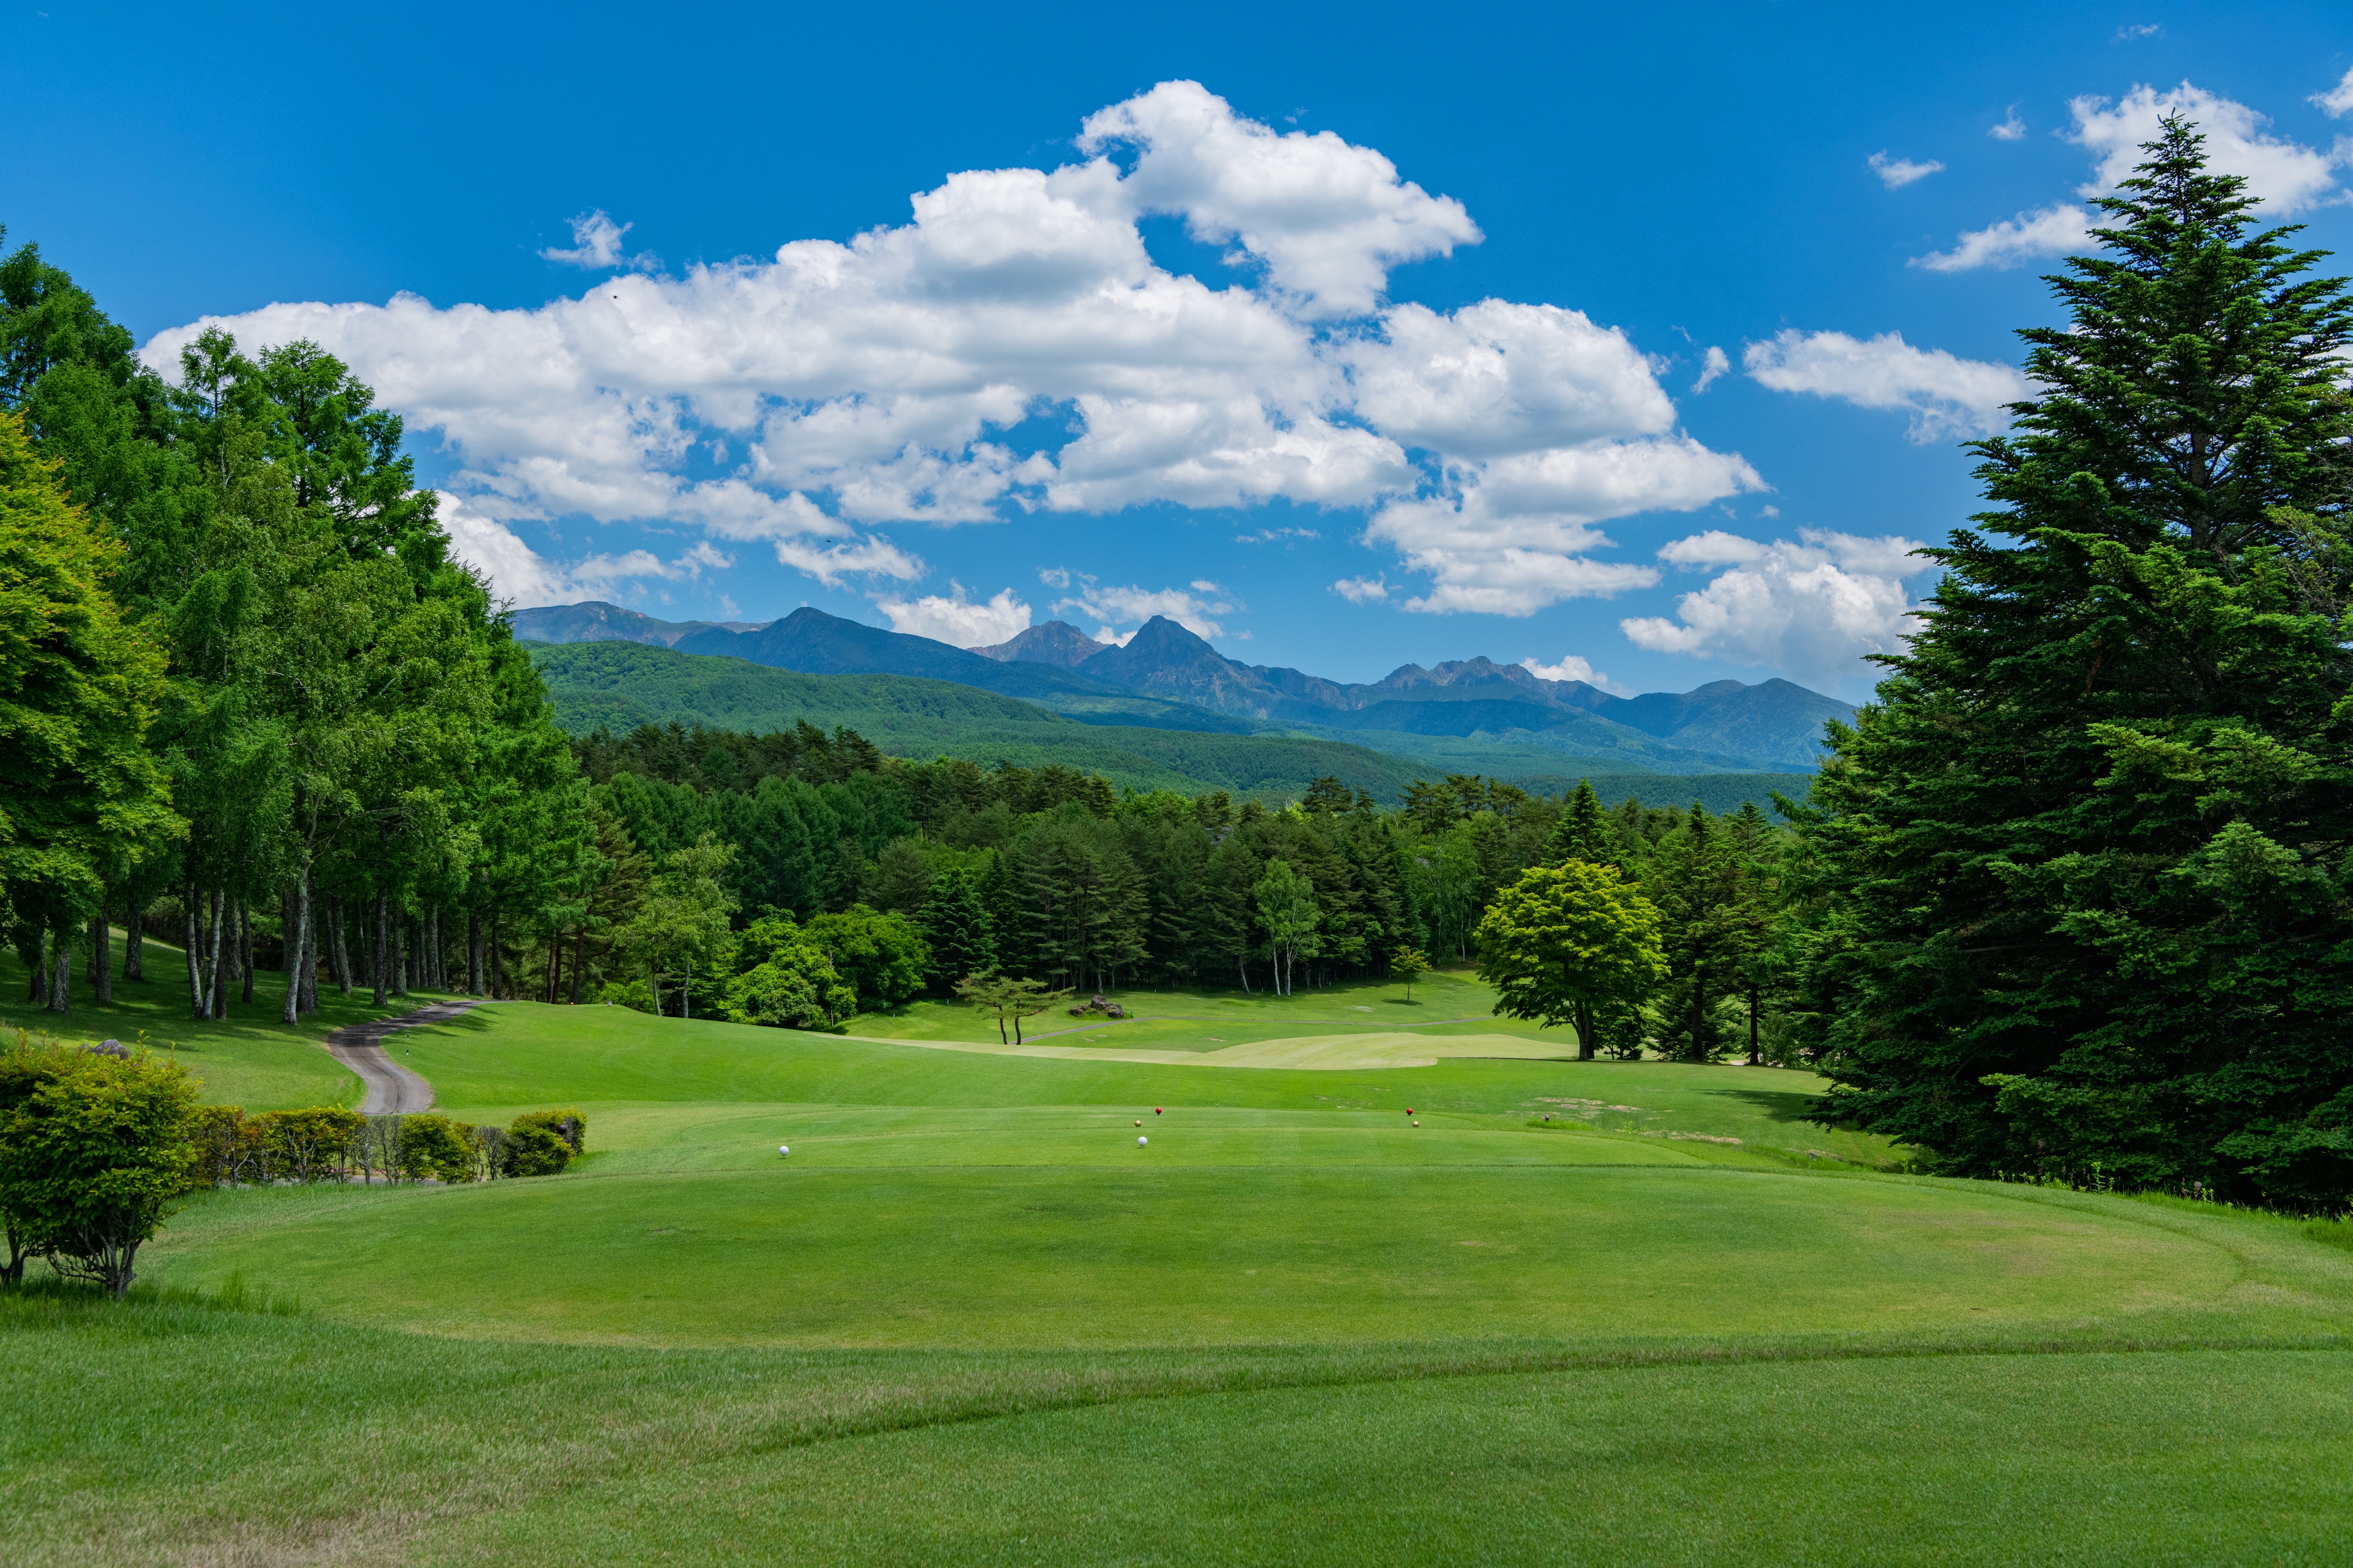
(436, 1146)
(92, 1149)
(797, 988)
(632, 994)
(533, 1151)
(568, 1125)
(313, 1144)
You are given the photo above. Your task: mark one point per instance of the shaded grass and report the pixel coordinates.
(249, 1058)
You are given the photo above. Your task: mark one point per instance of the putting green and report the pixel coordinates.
(1313, 1053)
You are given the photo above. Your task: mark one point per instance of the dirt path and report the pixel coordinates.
(390, 1087)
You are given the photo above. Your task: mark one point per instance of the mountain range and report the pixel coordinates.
(1165, 676)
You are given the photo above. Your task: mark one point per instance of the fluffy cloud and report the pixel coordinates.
(1897, 173)
(1192, 609)
(953, 618)
(2337, 101)
(1716, 363)
(809, 402)
(2286, 176)
(1811, 610)
(2012, 129)
(1946, 395)
(2051, 231)
(1327, 219)
(1363, 590)
(1574, 668)
(522, 575)
(596, 245)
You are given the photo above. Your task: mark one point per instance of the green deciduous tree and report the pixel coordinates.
(1408, 964)
(1288, 914)
(1563, 943)
(84, 798)
(883, 958)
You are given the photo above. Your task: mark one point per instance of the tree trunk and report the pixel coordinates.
(297, 926)
(246, 951)
(473, 953)
(101, 958)
(579, 963)
(1243, 964)
(1585, 1031)
(1754, 1059)
(494, 954)
(61, 983)
(197, 1004)
(380, 970)
(310, 945)
(134, 941)
(339, 958)
(217, 952)
(554, 970)
(400, 956)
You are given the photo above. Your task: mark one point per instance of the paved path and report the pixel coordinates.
(391, 1088)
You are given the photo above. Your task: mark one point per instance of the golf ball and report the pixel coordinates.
(1143, 1141)
(784, 1148)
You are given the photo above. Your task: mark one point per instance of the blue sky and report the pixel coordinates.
(1352, 334)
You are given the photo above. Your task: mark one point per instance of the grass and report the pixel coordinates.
(248, 1058)
(969, 1320)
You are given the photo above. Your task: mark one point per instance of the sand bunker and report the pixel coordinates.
(1310, 1052)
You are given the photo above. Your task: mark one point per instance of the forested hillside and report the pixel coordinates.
(618, 686)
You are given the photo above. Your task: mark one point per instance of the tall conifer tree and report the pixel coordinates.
(2090, 844)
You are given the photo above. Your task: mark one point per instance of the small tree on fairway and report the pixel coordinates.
(1006, 999)
(91, 1155)
(1287, 909)
(1564, 940)
(1409, 964)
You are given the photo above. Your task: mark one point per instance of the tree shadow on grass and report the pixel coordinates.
(1783, 1105)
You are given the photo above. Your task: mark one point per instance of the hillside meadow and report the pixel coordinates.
(971, 1318)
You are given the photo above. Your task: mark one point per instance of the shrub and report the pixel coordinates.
(797, 988)
(92, 1150)
(533, 1151)
(313, 1144)
(568, 1125)
(632, 994)
(436, 1146)
(226, 1145)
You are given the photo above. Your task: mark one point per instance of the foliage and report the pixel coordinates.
(882, 957)
(93, 1148)
(1409, 964)
(79, 686)
(436, 1147)
(955, 926)
(568, 1125)
(1566, 943)
(2083, 860)
(534, 1149)
(1007, 1000)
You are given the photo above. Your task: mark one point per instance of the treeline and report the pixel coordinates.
(249, 685)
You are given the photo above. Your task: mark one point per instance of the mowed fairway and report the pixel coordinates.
(970, 1319)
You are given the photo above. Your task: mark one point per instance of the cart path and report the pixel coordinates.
(391, 1088)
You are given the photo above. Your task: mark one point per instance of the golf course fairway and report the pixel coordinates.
(1502, 1308)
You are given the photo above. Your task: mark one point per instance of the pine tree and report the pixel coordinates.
(2087, 849)
(957, 927)
(1584, 832)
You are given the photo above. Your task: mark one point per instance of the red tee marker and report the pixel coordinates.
(1156, 1111)
(1408, 1111)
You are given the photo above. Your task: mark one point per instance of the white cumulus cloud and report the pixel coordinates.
(2285, 175)
(2337, 101)
(2053, 230)
(1897, 173)
(1715, 364)
(1193, 607)
(2012, 129)
(1573, 667)
(521, 575)
(1947, 396)
(1811, 610)
(1363, 590)
(953, 617)
(844, 389)
(596, 245)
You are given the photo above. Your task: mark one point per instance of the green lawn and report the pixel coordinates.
(249, 1058)
(970, 1320)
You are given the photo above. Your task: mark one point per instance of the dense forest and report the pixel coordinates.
(2069, 900)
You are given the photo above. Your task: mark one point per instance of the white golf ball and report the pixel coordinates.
(784, 1148)
(1144, 1141)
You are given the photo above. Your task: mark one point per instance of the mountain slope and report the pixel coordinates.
(619, 685)
(1167, 677)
